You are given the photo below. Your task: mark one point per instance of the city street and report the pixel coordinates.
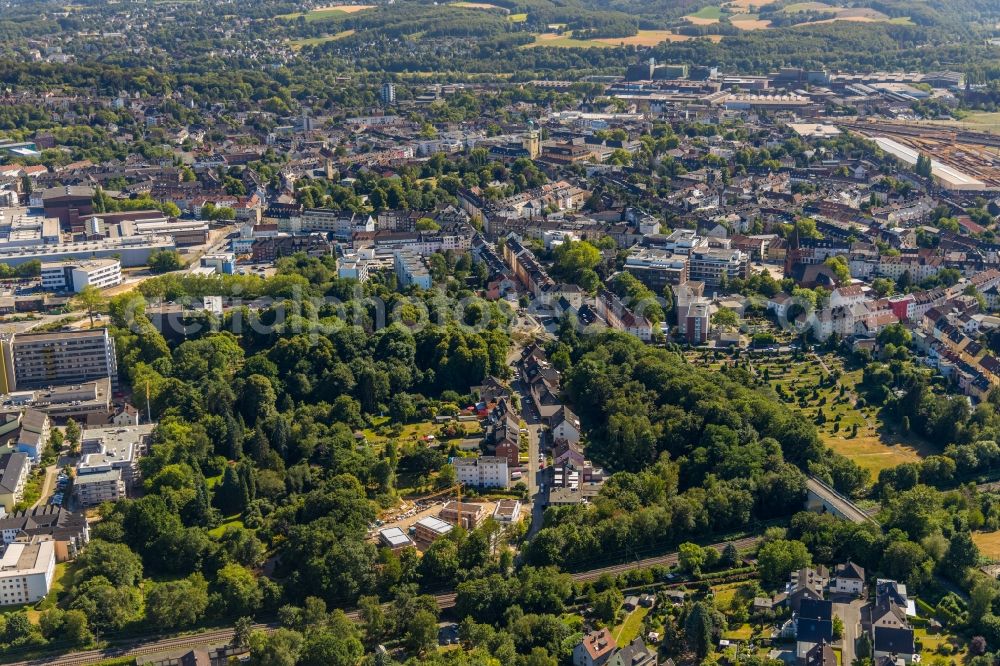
(534, 477)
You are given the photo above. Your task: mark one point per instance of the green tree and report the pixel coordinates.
(176, 604)
(73, 434)
(90, 299)
(239, 593)
(421, 632)
(114, 561)
(779, 557)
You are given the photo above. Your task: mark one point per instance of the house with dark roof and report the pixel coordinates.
(895, 643)
(813, 625)
(849, 578)
(68, 530)
(14, 468)
(634, 654)
(821, 654)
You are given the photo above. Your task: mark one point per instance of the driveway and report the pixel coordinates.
(848, 609)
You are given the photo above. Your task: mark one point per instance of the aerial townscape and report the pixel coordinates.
(504, 333)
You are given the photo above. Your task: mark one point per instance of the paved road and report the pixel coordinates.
(223, 636)
(848, 609)
(48, 484)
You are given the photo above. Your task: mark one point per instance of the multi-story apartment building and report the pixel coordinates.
(14, 468)
(40, 360)
(26, 571)
(75, 275)
(483, 472)
(410, 269)
(109, 462)
(657, 269)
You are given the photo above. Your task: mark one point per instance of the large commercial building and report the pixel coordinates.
(40, 360)
(26, 571)
(74, 276)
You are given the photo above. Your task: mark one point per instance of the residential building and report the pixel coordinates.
(69, 531)
(40, 360)
(813, 625)
(507, 511)
(34, 435)
(428, 529)
(634, 654)
(394, 538)
(821, 654)
(471, 514)
(656, 268)
(97, 488)
(73, 276)
(697, 322)
(388, 94)
(411, 270)
(109, 462)
(595, 649)
(620, 317)
(26, 571)
(805, 584)
(849, 578)
(14, 468)
(564, 425)
(483, 472)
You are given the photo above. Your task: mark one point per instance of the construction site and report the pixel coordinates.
(961, 160)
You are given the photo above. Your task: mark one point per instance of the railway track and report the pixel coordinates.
(444, 600)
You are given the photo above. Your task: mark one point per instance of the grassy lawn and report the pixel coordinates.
(517, 18)
(217, 532)
(932, 641)
(988, 543)
(326, 13)
(724, 595)
(628, 630)
(380, 433)
(976, 120)
(741, 633)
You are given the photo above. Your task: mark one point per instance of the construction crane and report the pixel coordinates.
(457, 489)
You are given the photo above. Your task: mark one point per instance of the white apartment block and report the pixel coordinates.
(26, 571)
(74, 276)
(483, 472)
(410, 269)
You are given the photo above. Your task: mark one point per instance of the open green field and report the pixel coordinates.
(517, 18)
(313, 41)
(707, 13)
(327, 13)
(642, 38)
(982, 121)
